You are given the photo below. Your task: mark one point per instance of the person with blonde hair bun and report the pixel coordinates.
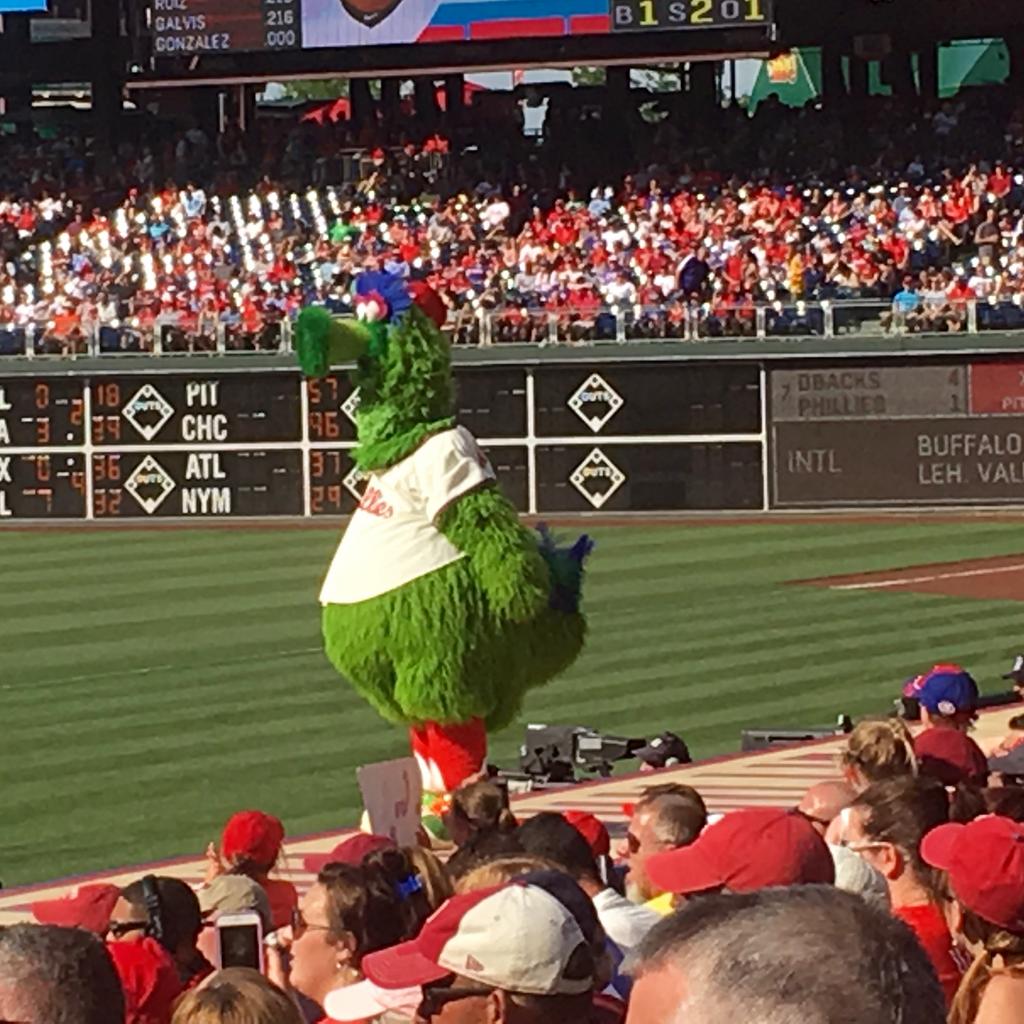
(237, 995)
(877, 749)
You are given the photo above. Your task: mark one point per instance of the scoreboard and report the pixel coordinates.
(580, 435)
(268, 443)
(897, 434)
(218, 27)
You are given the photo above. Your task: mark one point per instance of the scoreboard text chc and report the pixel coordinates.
(579, 435)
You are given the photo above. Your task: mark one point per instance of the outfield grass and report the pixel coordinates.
(152, 682)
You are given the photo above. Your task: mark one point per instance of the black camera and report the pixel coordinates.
(555, 753)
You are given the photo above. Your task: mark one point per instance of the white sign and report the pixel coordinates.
(392, 792)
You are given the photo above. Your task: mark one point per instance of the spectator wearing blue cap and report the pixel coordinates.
(948, 697)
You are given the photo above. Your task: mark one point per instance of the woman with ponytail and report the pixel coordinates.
(885, 826)
(877, 749)
(984, 865)
(478, 809)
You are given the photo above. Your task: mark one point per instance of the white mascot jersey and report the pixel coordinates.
(392, 538)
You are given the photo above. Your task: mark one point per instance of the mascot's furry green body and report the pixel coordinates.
(440, 607)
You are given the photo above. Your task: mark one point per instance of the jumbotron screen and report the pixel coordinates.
(207, 27)
(22, 6)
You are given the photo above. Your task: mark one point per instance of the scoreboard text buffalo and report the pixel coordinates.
(573, 436)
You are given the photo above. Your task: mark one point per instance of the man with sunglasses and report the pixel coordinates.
(665, 818)
(511, 954)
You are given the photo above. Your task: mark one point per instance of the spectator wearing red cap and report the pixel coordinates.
(948, 697)
(984, 865)
(250, 845)
(746, 850)
(350, 850)
(665, 818)
(801, 955)
(885, 826)
(88, 907)
(514, 953)
(55, 974)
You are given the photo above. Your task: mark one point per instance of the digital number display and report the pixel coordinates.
(222, 26)
(42, 485)
(40, 413)
(644, 15)
(197, 483)
(194, 410)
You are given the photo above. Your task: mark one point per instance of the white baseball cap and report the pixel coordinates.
(517, 937)
(364, 1001)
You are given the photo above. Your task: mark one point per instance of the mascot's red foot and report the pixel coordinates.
(449, 754)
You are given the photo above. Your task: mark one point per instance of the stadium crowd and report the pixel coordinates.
(893, 893)
(539, 240)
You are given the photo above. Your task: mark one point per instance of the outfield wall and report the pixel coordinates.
(644, 429)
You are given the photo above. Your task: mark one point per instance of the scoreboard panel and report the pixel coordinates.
(126, 445)
(680, 398)
(877, 435)
(197, 28)
(197, 483)
(580, 435)
(195, 409)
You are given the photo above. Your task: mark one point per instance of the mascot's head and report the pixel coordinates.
(402, 363)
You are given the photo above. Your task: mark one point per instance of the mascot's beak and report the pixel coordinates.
(323, 341)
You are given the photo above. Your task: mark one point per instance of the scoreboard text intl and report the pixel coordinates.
(575, 436)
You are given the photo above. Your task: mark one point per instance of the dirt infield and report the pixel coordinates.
(991, 579)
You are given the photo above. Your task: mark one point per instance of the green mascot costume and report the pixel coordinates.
(439, 606)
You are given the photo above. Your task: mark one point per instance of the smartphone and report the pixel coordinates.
(239, 940)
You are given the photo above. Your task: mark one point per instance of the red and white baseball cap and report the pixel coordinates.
(515, 937)
(746, 850)
(985, 863)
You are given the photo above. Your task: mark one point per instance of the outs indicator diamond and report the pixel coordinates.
(597, 478)
(595, 401)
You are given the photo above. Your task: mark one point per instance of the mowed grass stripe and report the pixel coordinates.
(689, 628)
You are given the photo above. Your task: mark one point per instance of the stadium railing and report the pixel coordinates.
(513, 324)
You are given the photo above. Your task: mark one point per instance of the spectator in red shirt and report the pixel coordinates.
(251, 845)
(885, 825)
(948, 698)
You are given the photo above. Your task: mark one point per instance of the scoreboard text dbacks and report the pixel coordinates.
(587, 434)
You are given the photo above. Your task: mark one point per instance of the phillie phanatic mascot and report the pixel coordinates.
(439, 606)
